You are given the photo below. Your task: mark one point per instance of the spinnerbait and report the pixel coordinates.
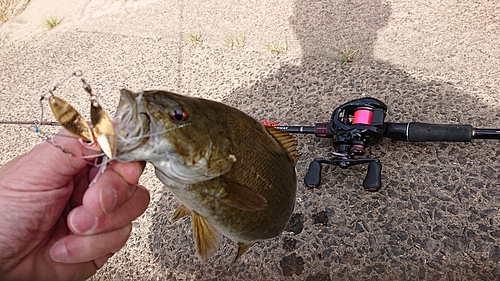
(101, 131)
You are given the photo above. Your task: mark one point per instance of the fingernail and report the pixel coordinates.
(107, 199)
(59, 252)
(82, 222)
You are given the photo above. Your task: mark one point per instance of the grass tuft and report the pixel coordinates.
(234, 41)
(278, 47)
(347, 54)
(51, 21)
(193, 38)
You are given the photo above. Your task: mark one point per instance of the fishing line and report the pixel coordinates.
(160, 132)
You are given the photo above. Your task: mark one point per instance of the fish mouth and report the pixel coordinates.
(132, 123)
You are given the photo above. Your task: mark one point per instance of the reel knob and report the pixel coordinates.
(373, 180)
(312, 178)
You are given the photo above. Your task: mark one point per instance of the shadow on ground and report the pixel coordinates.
(436, 217)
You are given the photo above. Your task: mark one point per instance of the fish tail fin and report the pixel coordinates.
(207, 237)
(180, 212)
(242, 248)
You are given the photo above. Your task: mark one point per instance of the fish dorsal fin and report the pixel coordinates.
(180, 212)
(242, 248)
(242, 197)
(287, 141)
(207, 237)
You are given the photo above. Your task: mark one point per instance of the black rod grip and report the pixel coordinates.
(312, 178)
(418, 132)
(373, 181)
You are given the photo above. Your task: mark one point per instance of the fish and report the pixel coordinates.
(233, 175)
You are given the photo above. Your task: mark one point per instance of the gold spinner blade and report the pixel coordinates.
(102, 128)
(70, 119)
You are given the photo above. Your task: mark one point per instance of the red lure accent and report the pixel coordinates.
(272, 124)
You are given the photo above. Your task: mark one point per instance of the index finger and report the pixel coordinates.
(129, 171)
(50, 165)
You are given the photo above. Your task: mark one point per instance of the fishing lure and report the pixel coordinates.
(101, 130)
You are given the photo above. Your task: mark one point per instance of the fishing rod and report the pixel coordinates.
(360, 123)
(45, 123)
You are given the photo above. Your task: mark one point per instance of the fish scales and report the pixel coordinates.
(261, 171)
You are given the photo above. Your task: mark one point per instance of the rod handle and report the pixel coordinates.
(420, 132)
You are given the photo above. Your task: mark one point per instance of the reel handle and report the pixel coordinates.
(373, 181)
(312, 179)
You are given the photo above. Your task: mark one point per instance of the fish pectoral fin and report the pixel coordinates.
(242, 248)
(180, 212)
(207, 237)
(243, 198)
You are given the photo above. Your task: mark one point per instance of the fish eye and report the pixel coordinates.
(178, 114)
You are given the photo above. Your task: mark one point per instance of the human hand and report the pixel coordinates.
(53, 225)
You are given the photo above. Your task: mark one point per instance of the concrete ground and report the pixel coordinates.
(437, 215)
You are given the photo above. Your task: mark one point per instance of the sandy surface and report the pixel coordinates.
(437, 216)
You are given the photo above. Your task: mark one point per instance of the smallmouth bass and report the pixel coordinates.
(233, 176)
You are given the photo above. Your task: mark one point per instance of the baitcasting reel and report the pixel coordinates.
(353, 126)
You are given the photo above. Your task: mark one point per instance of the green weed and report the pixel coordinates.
(193, 38)
(234, 41)
(51, 21)
(278, 47)
(347, 54)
